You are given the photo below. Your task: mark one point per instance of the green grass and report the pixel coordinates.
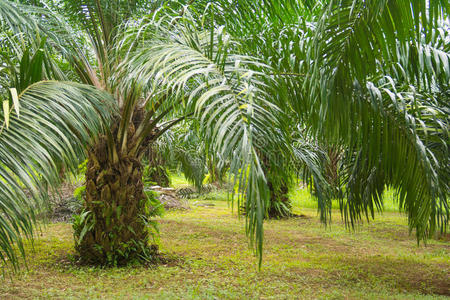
(301, 198)
(211, 260)
(178, 180)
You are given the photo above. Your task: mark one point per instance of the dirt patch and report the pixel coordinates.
(63, 205)
(169, 198)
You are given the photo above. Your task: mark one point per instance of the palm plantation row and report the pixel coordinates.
(351, 95)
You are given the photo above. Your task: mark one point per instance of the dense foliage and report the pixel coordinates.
(354, 94)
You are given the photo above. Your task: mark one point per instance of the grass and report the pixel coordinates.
(302, 260)
(178, 180)
(301, 198)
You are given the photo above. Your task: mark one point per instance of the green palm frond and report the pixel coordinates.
(371, 76)
(12, 18)
(380, 68)
(56, 121)
(227, 93)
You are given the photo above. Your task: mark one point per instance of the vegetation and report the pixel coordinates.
(351, 97)
(362, 74)
(132, 61)
(208, 258)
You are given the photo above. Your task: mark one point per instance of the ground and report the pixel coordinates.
(209, 259)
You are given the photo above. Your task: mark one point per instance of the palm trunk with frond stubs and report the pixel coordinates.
(116, 232)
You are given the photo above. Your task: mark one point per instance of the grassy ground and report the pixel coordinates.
(302, 260)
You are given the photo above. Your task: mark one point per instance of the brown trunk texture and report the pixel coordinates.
(216, 175)
(115, 199)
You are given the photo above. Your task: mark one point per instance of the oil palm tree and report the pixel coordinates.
(160, 69)
(369, 76)
(348, 71)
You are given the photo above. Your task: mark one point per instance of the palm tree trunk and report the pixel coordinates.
(280, 205)
(115, 232)
(156, 171)
(332, 169)
(216, 175)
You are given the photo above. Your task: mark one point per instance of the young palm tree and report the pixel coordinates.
(370, 76)
(160, 70)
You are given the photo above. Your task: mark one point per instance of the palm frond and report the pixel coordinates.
(380, 65)
(228, 94)
(57, 120)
